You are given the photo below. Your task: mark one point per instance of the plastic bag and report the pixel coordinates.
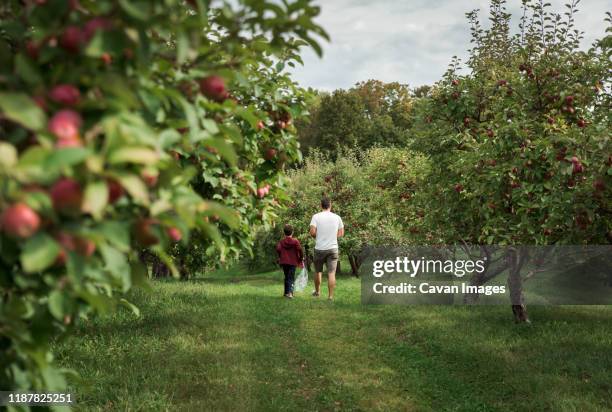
(301, 280)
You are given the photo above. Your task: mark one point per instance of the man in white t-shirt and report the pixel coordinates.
(326, 227)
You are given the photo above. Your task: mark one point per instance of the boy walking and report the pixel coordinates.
(290, 256)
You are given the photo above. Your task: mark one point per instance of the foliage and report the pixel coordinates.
(520, 146)
(126, 125)
(370, 114)
(371, 192)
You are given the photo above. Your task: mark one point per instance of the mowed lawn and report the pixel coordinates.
(231, 342)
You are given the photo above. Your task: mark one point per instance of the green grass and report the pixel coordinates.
(233, 343)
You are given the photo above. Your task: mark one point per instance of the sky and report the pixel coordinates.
(408, 41)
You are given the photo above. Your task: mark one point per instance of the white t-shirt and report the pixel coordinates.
(327, 224)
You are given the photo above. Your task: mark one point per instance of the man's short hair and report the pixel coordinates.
(288, 229)
(325, 203)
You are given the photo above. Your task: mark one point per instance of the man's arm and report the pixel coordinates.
(313, 231)
(341, 232)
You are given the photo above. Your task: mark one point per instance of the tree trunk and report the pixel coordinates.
(354, 265)
(515, 286)
(158, 268)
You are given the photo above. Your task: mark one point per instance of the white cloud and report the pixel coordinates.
(407, 41)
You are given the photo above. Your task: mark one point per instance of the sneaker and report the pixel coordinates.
(315, 294)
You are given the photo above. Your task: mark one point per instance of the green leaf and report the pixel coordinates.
(117, 233)
(23, 110)
(140, 276)
(8, 155)
(139, 155)
(57, 305)
(225, 149)
(39, 252)
(117, 265)
(96, 198)
(106, 41)
(136, 9)
(130, 306)
(27, 71)
(248, 116)
(210, 125)
(66, 157)
(135, 187)
(226, 214)
(182, 47)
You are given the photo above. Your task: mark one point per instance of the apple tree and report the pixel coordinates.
(372, 191)
(127, 126)
(520, 142)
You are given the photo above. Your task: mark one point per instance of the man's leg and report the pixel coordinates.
(317, 281)
(332, 263)
(331, 283)
(318, 264)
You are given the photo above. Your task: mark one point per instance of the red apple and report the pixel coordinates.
(143, 232)
(261, 192)
(20, 221)
(115, 190)
(174, 234)
(455, 82)
(95, 24)
(458, 188)
(270, 154)
(577, 168)
(260, 125)
(599, 185)
(67, 244)
(106, 58)
(67, 196)
(490, 133)
(150, 177)
(72, 39)
(65, 125)
(32, 49)
(581, 123)
(85, 247)
(65, 94)
(214, 88)
(569, 100)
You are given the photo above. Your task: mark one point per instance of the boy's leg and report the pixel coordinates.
(291, 278)
(286, 273)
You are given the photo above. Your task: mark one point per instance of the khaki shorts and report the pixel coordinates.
(330, 257)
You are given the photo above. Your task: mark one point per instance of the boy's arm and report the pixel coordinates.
(300, 252)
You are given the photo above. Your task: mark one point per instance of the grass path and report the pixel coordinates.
(232, 343)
